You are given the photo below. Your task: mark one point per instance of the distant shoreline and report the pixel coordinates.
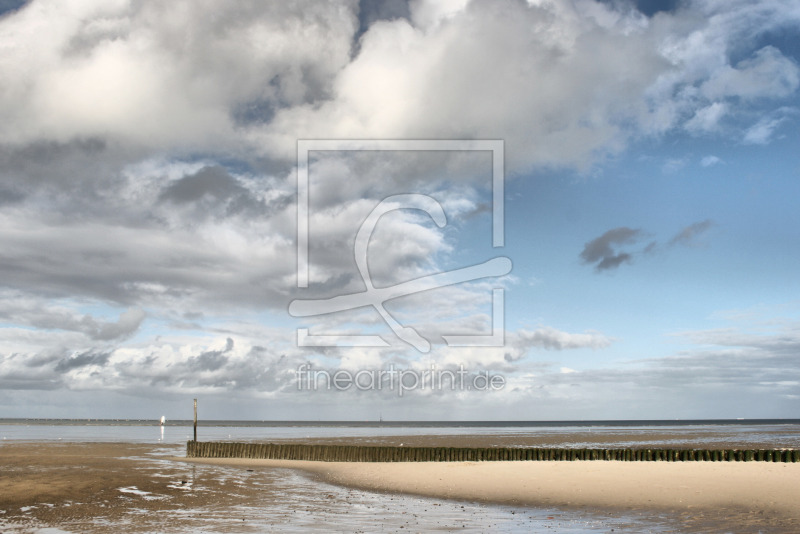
(403, 424)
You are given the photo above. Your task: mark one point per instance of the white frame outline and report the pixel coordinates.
(495, 146)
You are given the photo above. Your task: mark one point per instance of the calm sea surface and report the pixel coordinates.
(760, 433)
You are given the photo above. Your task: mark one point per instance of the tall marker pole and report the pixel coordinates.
(195, 419)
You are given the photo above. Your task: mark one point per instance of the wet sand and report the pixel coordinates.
(56, 484)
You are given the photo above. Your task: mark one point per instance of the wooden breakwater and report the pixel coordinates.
(364, 453)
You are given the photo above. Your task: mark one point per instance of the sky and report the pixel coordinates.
(153, 210)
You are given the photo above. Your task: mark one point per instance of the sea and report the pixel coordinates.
(309, 505)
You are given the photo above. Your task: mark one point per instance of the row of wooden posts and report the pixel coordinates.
(357, 453)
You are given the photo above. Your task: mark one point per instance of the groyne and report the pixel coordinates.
(365, 453)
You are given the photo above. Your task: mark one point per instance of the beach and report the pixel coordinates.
(89, 487)
(749, 496)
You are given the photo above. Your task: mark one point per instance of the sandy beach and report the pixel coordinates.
(752, 496)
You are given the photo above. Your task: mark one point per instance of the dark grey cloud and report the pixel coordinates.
(120, 234)
(687, 235)
(371, 11)
(9, 6)
(150, 369)
(213, 187)
(127, 325)
(211, 360)
(254, 112)
(647, 8)
(612, 262)
(601, 251)
(208, 361)
(82, 360)
(208, 182)
(121, 266)
(262, 370)
(651, 7)
(257, 369)
(605, 251)
(34, 313)
(80, 168)
(10, 196)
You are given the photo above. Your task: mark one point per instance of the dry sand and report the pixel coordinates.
(751, 495)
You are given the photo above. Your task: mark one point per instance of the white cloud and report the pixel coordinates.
(704, 77)
(707, 119)
(710, 161)
(673, 165)
(561, 83)
(429, 14)
(519, 343)
(766, 74)
(162, 75)
(543, 97)
(763, 131)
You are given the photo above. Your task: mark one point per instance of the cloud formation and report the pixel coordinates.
(548, 338)
(688, 235)
(165, 75)
(260, 75)
(38, 313)
(601, 250)
(606, 251)
(147, 180)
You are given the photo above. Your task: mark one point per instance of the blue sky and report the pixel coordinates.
(148, 205)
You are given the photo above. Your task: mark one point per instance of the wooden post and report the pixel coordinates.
(195, 419)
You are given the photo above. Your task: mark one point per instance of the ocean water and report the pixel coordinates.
(295, 502)
(766, 433)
